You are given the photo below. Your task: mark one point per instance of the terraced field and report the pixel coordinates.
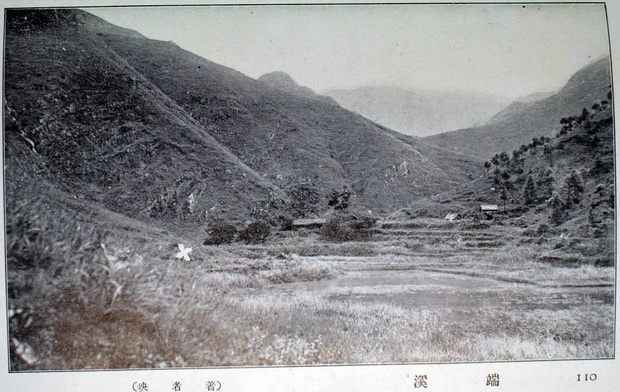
(477, 284)
(423, 290)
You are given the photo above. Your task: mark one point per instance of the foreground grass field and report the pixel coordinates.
(421, 290)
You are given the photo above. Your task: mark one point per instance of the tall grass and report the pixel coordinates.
(84, 297)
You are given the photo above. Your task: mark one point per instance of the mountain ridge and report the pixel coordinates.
(156, 132)
(303, 139)
(419, 112)
(521, 122)
(104, 131)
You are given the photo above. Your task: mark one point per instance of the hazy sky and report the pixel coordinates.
(504, 50)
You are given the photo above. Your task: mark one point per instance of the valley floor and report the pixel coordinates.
(420, 291)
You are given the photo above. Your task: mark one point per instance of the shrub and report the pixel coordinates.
(220, 233)
(285, 223)
(348, 227)
(255, 232)
(305, 199)
(339, 201)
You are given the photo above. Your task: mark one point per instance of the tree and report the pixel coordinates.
(529, 191)
(558, 209)
(544, 183)
(220, 232)
(503, 196)
(517, 163)
(339, 200)
(573, 186)
(348, 227)
(255, 232)
(304, 199)
(548, 151)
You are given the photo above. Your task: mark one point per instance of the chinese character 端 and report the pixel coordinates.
(493, 380)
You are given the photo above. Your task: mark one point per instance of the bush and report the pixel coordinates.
(285, 223)
(305, 199)
(255, 232)
(348, 227)
(339, 201)
(220, 233)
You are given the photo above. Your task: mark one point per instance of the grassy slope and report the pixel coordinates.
(87, 122)
(289, 138)
(520, 123)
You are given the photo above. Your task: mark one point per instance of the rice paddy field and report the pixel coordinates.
(421, 290)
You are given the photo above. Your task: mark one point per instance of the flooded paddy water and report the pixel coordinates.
(454, 295)
(476, 287)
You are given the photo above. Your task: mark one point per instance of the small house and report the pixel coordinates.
(488, 210)
(309, 224)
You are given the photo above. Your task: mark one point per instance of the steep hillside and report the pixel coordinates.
(289, 138)
(518, 105)
(419, 112)
(522, 121)
(563, 185)
(80, 118)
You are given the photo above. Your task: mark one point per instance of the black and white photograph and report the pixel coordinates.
(259, 186)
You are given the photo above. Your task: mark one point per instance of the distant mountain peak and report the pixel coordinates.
(284, 82)
(416, 111)
(279, 79)
(521, 121)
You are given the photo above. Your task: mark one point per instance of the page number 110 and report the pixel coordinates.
(586, 377)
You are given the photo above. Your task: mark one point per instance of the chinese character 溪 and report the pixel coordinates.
(420, 381)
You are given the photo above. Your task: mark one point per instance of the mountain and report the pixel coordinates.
(146, 129)
(288, 136)
(518, 105)
(522, 121)
(283, 82)
(535, 96)
(82, 120)
(561, 190)
(419, 112)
